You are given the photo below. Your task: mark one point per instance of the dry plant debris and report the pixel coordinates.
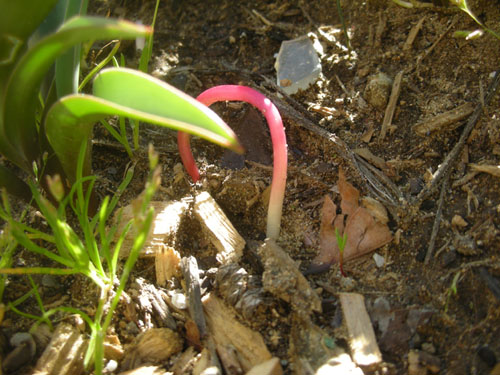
(362, 341)
(364, 232)
(239, 347)
(64, 354)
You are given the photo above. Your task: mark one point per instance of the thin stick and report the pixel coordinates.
(437, 222)
(452, 156)
(391, 106)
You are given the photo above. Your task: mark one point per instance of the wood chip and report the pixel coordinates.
(229, 334)
(391, 106)
(64, 354)
(221, 232)
(445, 121)
(270, 367)
(283, 279)
(167, 261)
(168, 216)
(364, 347)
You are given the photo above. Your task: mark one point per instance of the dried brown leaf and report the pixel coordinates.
(327, 240)
(364, 232)
(349, 195)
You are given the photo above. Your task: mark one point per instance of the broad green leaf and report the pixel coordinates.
(142, 92)
(132, 94)
(18, 127)
(20, 18)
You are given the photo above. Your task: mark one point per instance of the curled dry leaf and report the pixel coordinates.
(364, 232)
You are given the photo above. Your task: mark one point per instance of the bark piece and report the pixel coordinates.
(237, 345)
(445, 121)
(153, 306)
(221, 232)
(239, 289)
(270, 367)
(283, 279)
(64, 354)
(363, 343)
(191, 275)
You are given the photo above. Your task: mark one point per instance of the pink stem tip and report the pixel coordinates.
(269, 110)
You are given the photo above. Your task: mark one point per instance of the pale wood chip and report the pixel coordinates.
(230, 335)
(362, 340)
(221, 232)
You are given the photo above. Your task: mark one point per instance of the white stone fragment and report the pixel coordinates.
(297, 65)
(379, 260)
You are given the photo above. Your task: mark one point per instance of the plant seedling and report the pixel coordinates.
(269, 110)
(341, 241)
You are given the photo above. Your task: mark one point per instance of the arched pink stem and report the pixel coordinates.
(269, 110)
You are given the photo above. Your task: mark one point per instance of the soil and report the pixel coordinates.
(455, 285)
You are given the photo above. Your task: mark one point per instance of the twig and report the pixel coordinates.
(452, 156)
(391, 106)
(437, 222)
(428, 51)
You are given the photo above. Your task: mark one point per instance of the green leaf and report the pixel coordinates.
(68, 64)
(133, 94)
(20, 18)
(18, 127)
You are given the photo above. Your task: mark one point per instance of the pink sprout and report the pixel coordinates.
(269, 110)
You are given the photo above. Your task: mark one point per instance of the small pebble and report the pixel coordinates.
(377, 90)
(379, 260)
(179, 300)
(111, 366)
